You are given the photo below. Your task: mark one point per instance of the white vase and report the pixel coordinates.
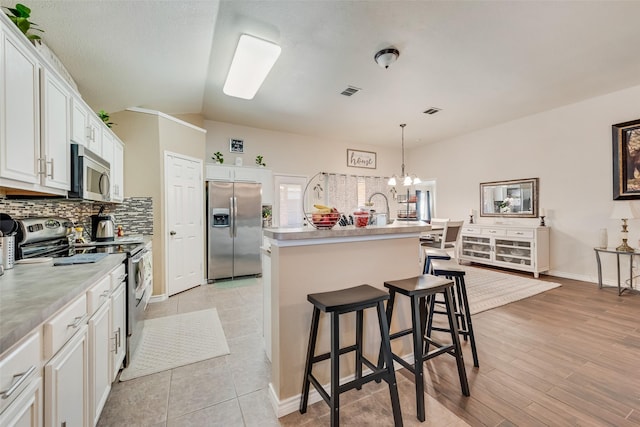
(603, 238)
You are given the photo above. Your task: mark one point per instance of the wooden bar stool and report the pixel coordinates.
(433, 254)
(418, 289)
(451, 270)
(336, 303)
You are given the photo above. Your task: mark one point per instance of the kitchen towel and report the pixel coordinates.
(178, 340)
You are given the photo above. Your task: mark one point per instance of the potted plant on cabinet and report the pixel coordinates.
(20, 17)
(218, 157)
(104, 116)
(259, 161)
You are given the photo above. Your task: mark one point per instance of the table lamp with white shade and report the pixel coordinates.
(624, 211)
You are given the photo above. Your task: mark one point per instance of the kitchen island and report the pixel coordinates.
(298, 262)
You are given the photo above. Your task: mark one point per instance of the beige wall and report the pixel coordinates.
(147, 136)
(297, 154)
(569, 149)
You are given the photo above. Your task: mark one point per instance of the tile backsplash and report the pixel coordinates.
(135, 214)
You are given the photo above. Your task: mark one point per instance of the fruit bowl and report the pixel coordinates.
(324, 220)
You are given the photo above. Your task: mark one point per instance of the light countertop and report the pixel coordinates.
(32, 293)
(309, 232)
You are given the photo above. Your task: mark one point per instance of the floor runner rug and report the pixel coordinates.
(487, 289)
(172, 341)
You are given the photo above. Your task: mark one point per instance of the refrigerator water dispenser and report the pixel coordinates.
(220, 217)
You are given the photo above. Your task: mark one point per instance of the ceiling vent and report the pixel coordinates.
(350, 90)
(432, 110)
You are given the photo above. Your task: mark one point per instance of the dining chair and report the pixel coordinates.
(449, 238)
(437, 225)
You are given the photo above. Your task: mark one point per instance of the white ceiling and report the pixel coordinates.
(482, 62)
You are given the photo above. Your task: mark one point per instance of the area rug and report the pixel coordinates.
(487, 289)
(172, 341)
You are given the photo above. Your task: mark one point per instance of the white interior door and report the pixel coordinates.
(184, 193)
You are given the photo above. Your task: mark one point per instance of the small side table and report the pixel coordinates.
(621, 288)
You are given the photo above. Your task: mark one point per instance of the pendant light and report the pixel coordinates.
(406, 179)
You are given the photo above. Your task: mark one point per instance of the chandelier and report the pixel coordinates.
(406, 179)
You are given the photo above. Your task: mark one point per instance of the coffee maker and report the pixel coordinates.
(102, 228)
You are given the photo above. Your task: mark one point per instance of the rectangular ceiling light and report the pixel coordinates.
(250, 65)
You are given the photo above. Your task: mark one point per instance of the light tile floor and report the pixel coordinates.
(232, 390)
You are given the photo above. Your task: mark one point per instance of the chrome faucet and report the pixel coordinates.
(386, 201)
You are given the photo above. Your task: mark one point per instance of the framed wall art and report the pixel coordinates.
(361, 159)
(626, 160)
(236, 145)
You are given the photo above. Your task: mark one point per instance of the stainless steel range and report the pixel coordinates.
(53, 237)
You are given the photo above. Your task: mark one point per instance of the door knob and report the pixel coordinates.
(173, 233)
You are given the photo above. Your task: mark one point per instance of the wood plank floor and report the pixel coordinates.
(568, 356)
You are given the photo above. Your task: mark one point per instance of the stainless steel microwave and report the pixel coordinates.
(90, 175)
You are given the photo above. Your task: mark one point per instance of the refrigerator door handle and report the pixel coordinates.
(235, 217)
(232, 216)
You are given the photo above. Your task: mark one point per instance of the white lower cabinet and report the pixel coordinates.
(66, 386)
(520, 248)
(21, 384)
(26, 410)
(99, 361)
(80, 351)
(118, 332)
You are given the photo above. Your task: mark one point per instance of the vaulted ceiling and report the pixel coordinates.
(481, 62)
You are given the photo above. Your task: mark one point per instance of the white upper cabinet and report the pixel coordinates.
(55, 160)
(216, 172)
(40, 116)
(107, 148)
(79, 122)
(19, 111)
(117, 172)
(94, 138)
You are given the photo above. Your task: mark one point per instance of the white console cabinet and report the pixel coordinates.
(517, 247)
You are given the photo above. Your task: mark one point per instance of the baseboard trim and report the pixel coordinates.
(292, 404)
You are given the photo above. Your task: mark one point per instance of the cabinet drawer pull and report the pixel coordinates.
(105, 294)
(77, 321)
(22, 377)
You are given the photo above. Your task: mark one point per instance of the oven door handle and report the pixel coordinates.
(138, 257)
(139, 300)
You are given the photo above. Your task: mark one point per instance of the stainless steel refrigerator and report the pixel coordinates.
(234, 229)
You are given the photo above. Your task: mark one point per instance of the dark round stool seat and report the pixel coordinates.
(419, 289)
(335, 303)
(431, 255)
(452, 270)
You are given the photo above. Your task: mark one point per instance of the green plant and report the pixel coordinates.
(21, 14)
(218, 157)
(104, 116)
(266, 212)
(259, 161)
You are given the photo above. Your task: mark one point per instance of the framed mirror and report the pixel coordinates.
(515, 198)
